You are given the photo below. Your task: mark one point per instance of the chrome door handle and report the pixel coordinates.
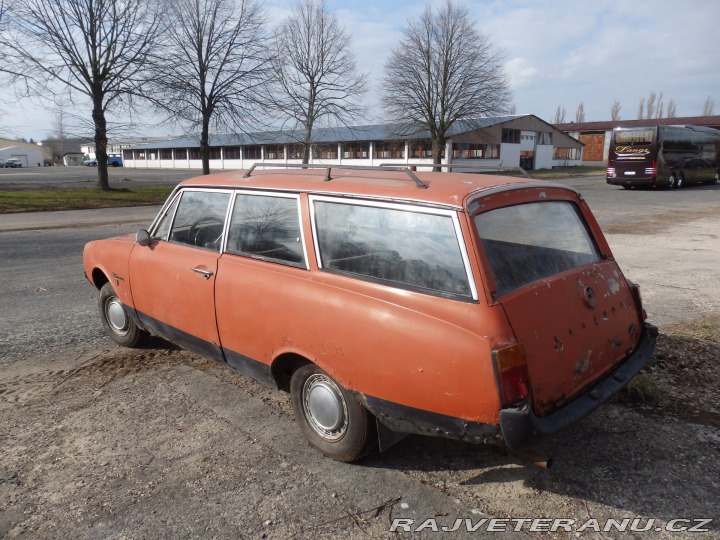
(205, 273)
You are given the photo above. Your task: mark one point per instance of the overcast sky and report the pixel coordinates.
(556, 53)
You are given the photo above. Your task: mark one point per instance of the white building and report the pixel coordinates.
(508, 141)
(28, 156)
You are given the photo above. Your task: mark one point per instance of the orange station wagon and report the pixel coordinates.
(387, 302)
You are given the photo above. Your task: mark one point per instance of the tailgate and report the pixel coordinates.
(565, 297)
(575, 327)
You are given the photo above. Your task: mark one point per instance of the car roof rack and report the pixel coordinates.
(328, 169)
(451, 166)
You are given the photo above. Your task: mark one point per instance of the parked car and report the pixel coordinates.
(13, 163)
(474, 307)
(90, 162)
(115, 160)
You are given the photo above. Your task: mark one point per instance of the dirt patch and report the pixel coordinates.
(163, 443)
(655, 223)
(682, 378)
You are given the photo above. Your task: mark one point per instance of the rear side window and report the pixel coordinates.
(528, 242)
(266, 227)
(416, 249)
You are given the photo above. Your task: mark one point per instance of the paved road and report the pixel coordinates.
(86, 177)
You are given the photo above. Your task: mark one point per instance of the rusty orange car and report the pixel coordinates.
(477, 307)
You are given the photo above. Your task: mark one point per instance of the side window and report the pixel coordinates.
(163, 227)
(410, 247)
(200, 218)
(266, 227)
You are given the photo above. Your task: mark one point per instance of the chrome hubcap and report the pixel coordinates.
(116, 316)
(324, 407)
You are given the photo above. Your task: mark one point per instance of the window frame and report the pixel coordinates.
(277, 194)
(459, 236)
(178, 197)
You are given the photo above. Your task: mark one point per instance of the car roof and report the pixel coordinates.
(443, 189)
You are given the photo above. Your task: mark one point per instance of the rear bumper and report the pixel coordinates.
(632, 181)
(520, 427)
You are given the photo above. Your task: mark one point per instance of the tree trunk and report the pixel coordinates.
(306, 144)
(98, 115)
(205, 143)
(437, 145)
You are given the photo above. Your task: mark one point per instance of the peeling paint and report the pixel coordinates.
(613, 285)
(582, 365)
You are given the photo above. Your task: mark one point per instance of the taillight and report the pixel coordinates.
(651, 171)
(610, 171)
(512, 374)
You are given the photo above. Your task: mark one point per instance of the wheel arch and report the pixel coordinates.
(283, 367)
(99, 278)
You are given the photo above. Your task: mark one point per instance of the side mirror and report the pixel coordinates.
(143, 238)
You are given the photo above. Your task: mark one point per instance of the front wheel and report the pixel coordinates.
(330, 417)
(119, 326)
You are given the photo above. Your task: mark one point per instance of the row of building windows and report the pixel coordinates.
(566, 153)
(514, 136)
(382, 150)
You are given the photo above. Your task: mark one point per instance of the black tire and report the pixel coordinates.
(679, 182)
(672, 181)
(119, 326)
(330, 417)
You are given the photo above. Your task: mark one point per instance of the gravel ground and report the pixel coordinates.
(102, 442)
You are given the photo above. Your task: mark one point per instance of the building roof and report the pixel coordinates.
(372, 132)
(608, 125)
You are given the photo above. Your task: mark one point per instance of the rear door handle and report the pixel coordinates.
(205, 273)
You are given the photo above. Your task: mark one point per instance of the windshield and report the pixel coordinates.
(533, 241)
(634, 136)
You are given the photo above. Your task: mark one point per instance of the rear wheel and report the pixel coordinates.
(119, 326)
(330, 417)
(716, 180)
(679, 182)
(672, 181)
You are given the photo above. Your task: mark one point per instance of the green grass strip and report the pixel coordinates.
(43, 200)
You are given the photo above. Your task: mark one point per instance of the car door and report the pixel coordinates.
(173, 278)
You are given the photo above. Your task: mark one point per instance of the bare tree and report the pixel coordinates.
(641, 109)
(671, 109)
(512, 111)
(220, 61)
(709, 107)
(650, 105)
(660, 106)
(316, 78)
(443, 71)
(97, 48)
(580, 113)
(560, 115)
(615, 110)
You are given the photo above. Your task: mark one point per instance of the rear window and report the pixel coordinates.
(532, 241)
(411, 248)
(635, 136)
